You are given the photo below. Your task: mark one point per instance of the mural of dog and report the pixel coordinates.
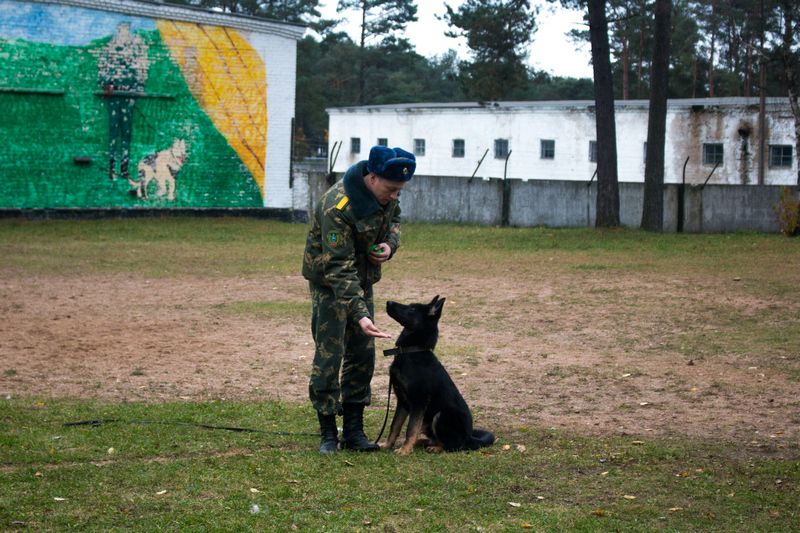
(162, 167)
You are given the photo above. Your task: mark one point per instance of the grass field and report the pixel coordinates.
(149, 468)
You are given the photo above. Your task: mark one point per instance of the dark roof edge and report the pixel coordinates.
(496, 106)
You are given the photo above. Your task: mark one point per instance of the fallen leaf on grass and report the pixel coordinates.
(514, 504)
(254, 490)
(599, 512)
(506, 447)
(675, 509)
(526, 525)
(629, 497)
(59, 499)
(521, 448)
(637, 442)
(161, 492)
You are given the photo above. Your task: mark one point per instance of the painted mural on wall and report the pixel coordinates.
(107, 110)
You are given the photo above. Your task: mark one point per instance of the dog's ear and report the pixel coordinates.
(436, 307)
(435, 299)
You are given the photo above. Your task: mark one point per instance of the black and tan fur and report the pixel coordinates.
(438, 415)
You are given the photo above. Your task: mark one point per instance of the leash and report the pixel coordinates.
(101, 421)
(397, 350)
(385, 418)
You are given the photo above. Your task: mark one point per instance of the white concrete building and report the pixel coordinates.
(556, 140)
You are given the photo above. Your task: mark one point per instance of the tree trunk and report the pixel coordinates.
(748, 73)
(653, 212)
(712, 50)
(640, 68)
(607, 185)
(791, 75)
(362, 53)
(626, 77)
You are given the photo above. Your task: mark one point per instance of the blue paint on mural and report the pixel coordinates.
(44, 23)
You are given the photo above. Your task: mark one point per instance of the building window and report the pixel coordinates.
(780, 156)
(548, 150)
(500, 148)
(593, 151)
(458, 147)
(419, 146)
(383, 141)
(712, 153)
(355, 145)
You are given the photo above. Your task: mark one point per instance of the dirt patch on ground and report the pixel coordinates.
(594, 354)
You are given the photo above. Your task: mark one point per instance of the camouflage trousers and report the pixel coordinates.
(341, 349)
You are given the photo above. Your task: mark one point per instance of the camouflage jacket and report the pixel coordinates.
(347, 221)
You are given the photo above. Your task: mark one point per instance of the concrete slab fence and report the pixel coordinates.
(557, 203)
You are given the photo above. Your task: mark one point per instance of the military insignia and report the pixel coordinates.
(342, 203)
(405, 170)
(334, 239)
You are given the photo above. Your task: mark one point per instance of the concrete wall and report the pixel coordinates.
(449, 199)
(127, 104)
(718, 208)
(553, 203)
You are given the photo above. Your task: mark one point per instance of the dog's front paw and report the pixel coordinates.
(386, 446)
(405, 450)
(436, 448)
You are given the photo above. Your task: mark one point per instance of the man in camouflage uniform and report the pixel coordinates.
(354, 229)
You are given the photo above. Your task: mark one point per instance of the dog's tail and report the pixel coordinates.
(136, 184)
(481, 438)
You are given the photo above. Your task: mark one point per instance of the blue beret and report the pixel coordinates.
(391, 163)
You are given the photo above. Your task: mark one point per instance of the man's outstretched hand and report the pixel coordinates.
(369, 329)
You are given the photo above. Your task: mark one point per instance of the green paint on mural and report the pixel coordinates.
(54, 133)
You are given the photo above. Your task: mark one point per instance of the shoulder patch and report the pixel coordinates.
(342, 203)
(334, 239)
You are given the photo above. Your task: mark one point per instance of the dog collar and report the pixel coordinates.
(398, 350)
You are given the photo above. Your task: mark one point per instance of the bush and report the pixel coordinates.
(788, 210)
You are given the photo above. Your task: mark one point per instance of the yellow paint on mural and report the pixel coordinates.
(228, 79)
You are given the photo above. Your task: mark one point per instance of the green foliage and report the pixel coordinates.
(393, 73)
(788, 211)
(292, 11)
(380, 18)
(497, 32)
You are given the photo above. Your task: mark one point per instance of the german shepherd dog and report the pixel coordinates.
(438, 415)
(162, 167)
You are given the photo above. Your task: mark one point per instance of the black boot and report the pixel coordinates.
(329, 441)
(353, 429)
